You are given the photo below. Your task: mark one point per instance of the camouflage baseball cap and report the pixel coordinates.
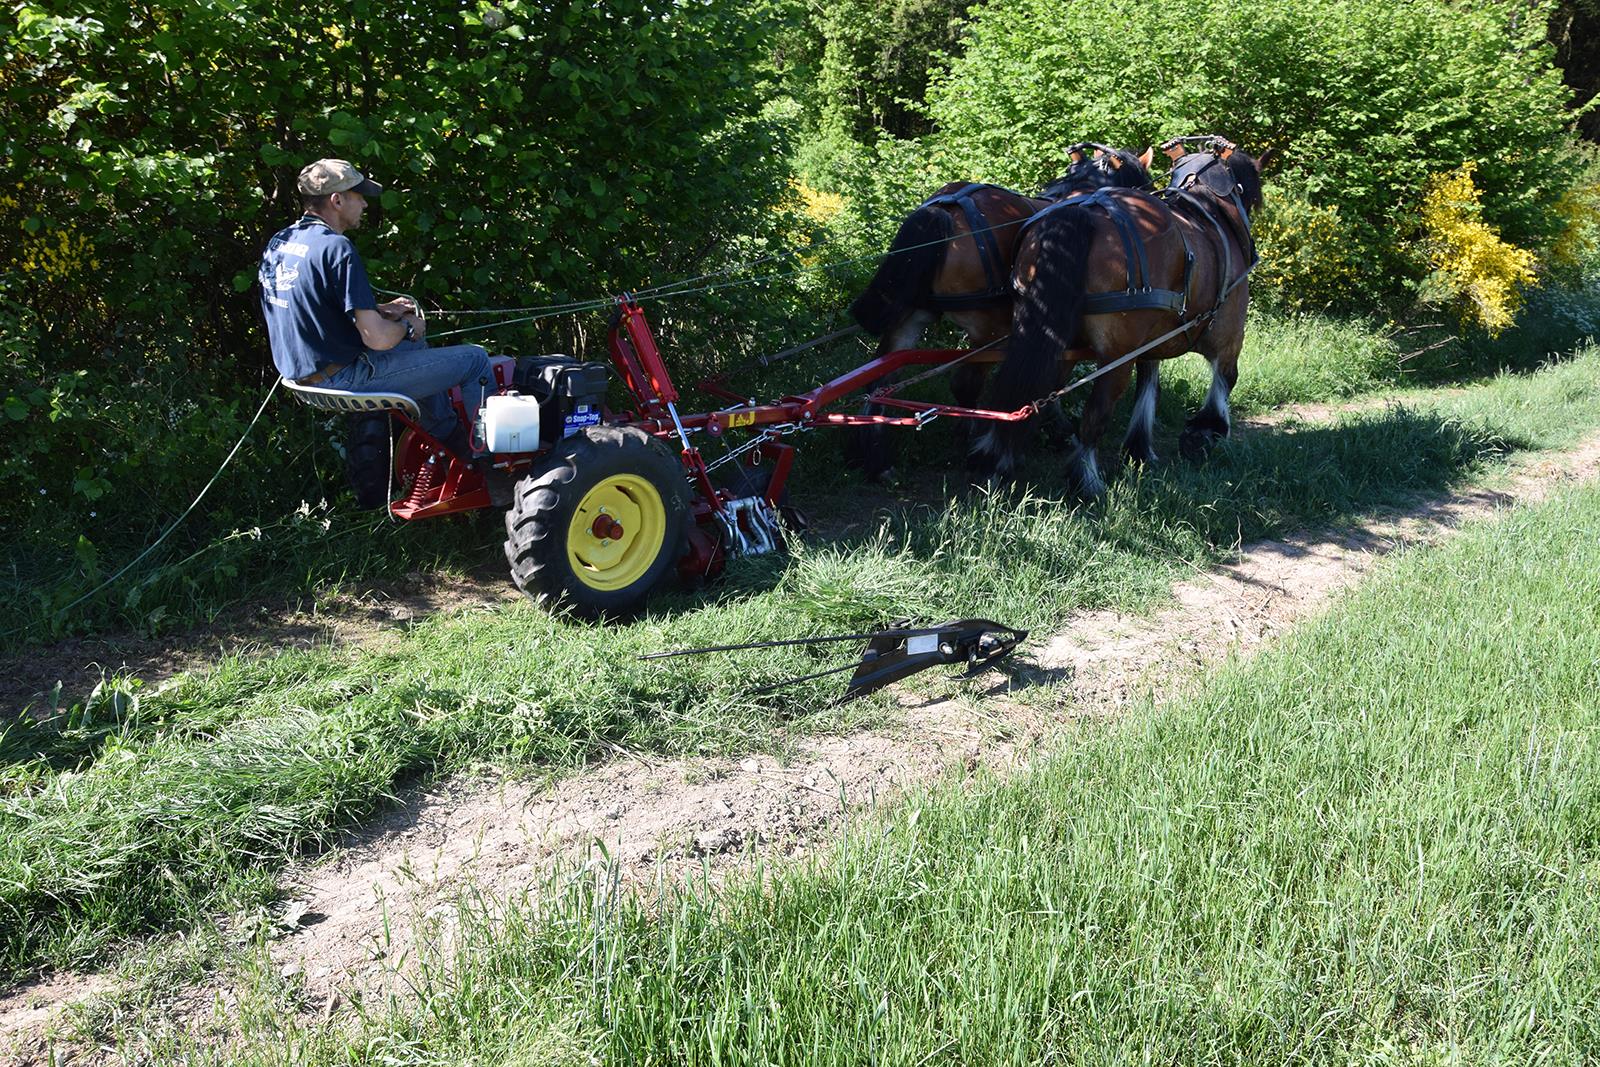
(335, 176)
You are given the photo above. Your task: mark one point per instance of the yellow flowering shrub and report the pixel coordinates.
(1579, 240)
(1308, 260)
(56, 256)
(818, 206)
(1472, 267)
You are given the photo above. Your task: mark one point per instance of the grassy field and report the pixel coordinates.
(1376, 843)
(126, 819)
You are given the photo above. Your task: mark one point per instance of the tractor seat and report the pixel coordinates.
(346, 402)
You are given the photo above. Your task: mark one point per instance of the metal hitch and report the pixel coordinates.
(894, 653)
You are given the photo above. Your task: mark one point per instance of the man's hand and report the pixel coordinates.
(381, 332)
(393, 309)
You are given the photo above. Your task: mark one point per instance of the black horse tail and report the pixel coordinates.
(906, 273)
(1049, 309)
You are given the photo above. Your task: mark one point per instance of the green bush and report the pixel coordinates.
(530, 155)
(1362, 101)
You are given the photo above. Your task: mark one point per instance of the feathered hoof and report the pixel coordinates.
(1143, 456)
(1197, 442)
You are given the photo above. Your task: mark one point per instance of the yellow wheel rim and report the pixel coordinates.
(617, 533)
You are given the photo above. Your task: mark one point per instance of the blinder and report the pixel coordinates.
(1204, 170)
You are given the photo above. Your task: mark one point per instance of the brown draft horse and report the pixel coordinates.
(1117, 270)
(953, 256)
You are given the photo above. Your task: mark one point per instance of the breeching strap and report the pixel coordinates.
(1128, 357)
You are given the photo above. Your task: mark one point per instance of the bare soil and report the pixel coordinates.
(358, 913)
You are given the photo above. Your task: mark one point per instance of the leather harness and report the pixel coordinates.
(1139, 294)
(988, 250)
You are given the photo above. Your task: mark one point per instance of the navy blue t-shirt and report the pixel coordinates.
(311, 280)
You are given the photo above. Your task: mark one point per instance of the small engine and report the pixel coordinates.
(571, 393)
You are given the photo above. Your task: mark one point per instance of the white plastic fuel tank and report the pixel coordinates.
(511, 423)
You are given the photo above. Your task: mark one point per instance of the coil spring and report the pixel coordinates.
(426, 482)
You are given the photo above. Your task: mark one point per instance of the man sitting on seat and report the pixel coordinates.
(327, 328)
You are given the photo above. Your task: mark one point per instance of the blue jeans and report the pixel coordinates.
(424, 374)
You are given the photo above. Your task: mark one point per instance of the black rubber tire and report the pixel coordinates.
(368, 457)
(544, 502)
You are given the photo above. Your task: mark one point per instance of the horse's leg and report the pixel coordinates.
(871, 448)
(1212, 422)
(1140, 443)
(966, 384)
(1083, 464)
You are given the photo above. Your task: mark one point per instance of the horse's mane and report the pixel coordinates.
(1131, 159)
(1247, 172)
(1087, 174)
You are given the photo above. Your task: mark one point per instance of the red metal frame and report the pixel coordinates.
(638, 360)
(457, 487)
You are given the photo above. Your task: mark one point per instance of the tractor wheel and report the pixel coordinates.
(368, 447)
(598, 523)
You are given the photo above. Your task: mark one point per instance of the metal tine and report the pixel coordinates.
(891, 632)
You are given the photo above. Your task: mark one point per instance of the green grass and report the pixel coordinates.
(1297, 360)
(1376, 843)
(191, 801)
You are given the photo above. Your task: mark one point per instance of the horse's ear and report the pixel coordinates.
(1098, 152)
(1146, 156)
(1075, 155)
(1268, 155)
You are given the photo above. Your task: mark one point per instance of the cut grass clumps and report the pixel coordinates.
(193, 798)
(1378, 842)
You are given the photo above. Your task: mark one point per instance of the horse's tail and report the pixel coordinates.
(1049, 309)
(906, 273)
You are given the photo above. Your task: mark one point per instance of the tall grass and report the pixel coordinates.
(1376, 843)
(195, 798)
(1299, 359)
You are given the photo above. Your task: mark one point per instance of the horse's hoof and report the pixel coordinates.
(1087, 492)
(1144, 457)
(1196, 445)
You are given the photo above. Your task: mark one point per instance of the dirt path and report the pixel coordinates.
(356, 914)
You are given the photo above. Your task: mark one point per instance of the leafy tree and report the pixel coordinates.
(1363, 100)
(1575, 32)
(531, 153)
(865, 66)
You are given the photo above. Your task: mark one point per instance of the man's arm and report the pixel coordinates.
(380, 333)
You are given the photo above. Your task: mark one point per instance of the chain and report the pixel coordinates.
(771, 433)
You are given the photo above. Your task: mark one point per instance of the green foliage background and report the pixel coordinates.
(576, 151)
(565, 150)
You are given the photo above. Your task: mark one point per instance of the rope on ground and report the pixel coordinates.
(175, 522)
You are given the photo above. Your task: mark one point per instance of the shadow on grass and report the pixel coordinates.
(1263, 482)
